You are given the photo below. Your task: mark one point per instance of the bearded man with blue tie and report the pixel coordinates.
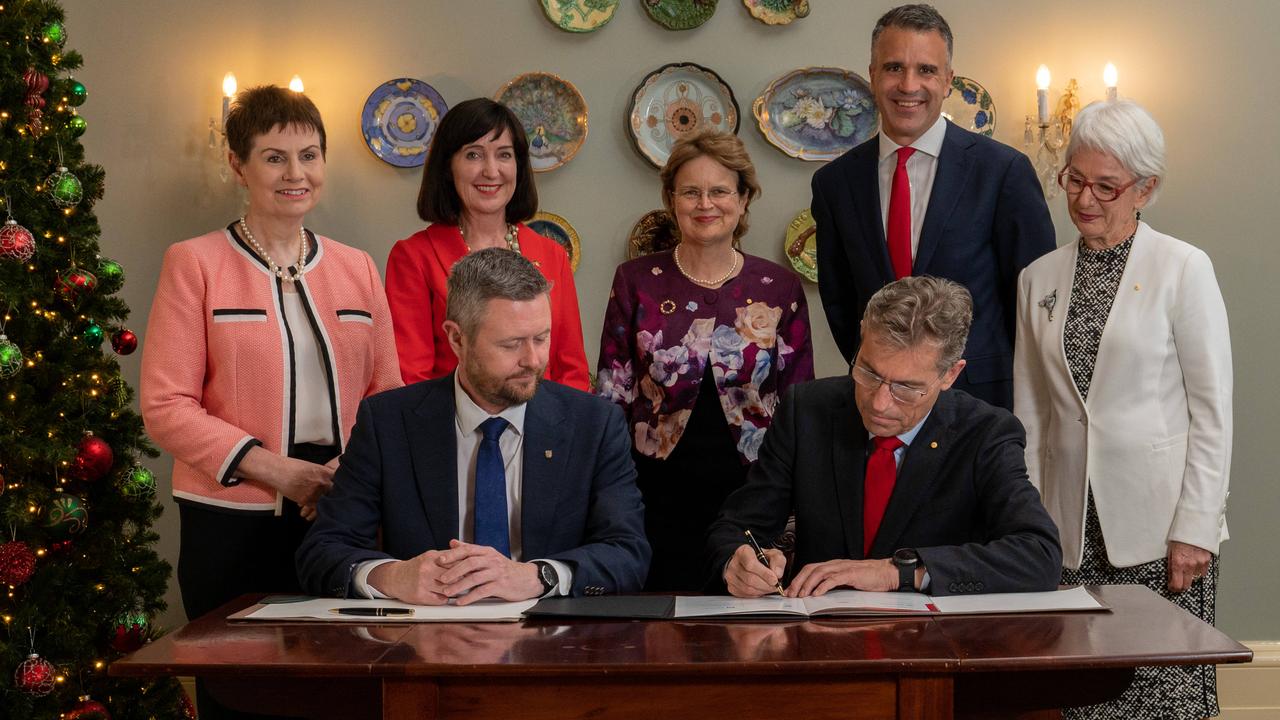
(489, 482)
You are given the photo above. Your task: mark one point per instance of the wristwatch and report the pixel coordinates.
(548, 576)
(906, 560)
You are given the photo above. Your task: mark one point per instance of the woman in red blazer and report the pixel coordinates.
(477, 187)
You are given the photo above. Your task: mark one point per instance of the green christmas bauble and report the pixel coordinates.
(10, 361)
(138, 482)
(67, 516)
(64, 188)
(54, 33)
(76, 93)
(110, 276)
(93, 335)
(77, 126)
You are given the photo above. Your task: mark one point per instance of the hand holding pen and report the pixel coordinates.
(753, 571)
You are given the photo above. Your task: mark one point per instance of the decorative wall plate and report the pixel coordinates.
(399, 119)
(675, 100)
(654, 232)
(801, 245)
(579, 16)
(970, 106)
(777, 12)
(554, 227)
(816, 113)
(554, 116)
(679, 14)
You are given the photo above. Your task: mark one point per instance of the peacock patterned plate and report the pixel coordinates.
(679, 14)
(399, 119)
(816, 113)
(654, 232)
(673, 101)
(777, 12)
(969, 105)
(554, 116)
(801, 245)
(579, 16)
(554, 227)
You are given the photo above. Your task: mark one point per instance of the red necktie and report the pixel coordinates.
(878, 486)
(899, 230)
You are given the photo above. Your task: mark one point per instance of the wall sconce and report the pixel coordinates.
(218, 130)
(296, 84)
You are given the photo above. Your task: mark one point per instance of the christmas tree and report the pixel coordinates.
(79, 577)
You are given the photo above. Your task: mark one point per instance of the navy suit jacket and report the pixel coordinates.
(579, 501)
(986, 220)
(961, 499)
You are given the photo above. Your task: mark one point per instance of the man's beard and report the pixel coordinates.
(502, 391)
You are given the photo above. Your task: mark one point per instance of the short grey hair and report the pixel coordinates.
(1124, 130)
(922, 310)
(920, 18)
(484, 275)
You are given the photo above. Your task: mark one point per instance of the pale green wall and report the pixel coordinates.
(1206, 70)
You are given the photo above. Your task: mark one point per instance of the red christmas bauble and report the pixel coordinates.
(124, 342)
(128, 636)
(87, 709)
(35, 676)
(16, 242)
(93, 459)
(75, 282)
(187, 708)
(37, 83)
(17, 562)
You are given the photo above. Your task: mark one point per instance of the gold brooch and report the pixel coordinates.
(667, 307)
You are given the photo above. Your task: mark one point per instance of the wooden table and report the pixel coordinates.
(929, 668)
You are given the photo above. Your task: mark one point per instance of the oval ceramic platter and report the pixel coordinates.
(679, 14)
(554, 227)
(654, 232)
(816, 113)
(673, 101)
(777, 12)
(970, 106)
(554, 116)
(801, 246)
(579, 16)
(399, 119)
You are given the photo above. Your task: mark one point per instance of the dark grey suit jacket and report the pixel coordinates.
(961, 499)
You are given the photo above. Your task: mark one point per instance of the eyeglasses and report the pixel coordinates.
(903, 394)
(1102, 192)
(694, 195)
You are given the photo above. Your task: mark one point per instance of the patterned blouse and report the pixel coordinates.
(1093, 290)
(661, 330)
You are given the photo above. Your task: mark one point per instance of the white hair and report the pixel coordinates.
(1124, 130)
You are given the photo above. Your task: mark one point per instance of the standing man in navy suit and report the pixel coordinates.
(486, 483)
(925, 197)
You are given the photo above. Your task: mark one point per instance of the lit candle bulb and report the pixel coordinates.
(1109, 78)
(296, 84)
(228, 91)
(1042, 94)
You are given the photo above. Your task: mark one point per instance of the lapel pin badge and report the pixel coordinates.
(547, 454)
(934, 445)
(1048, 302)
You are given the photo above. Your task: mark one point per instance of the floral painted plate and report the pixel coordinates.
(554, 116)
(801, 246)
(969, 105)
(399, 119)
(680, 14)
(554, 227)
(673, 101)
(654, 232)
(777, 12)
(816, 113)
(579, 16)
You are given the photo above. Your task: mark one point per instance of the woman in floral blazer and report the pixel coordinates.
(698, 345)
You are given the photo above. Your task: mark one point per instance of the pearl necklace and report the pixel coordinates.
(513, 242)
(675, 255)
(299, 269)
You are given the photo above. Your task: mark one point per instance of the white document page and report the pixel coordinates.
(325, 609)
(1076, 598)
(863, 602)
(710, 605)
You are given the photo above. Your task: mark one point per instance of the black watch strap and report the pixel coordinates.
(547, 575)
(906, 578)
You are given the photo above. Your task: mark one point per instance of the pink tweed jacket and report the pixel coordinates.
(217, 361)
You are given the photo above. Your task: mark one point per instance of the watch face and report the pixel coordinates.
(905, 556)
(547, 573)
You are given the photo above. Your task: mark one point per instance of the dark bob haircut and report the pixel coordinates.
(463, 124)
(259, 110)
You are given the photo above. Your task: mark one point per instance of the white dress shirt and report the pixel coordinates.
(922, 167)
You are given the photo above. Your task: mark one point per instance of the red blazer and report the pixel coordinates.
(417, 274)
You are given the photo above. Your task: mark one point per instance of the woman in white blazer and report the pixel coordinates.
(1122, 377)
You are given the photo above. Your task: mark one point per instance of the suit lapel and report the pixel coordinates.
(916, 478)
(433, 448)
(949, 182)
(864, 194)
(848, 465)
(546, 454)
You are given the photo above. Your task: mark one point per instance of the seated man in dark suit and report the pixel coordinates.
(897, 481)
(468, 475)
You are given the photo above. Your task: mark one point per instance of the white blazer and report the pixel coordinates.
(1154, 438)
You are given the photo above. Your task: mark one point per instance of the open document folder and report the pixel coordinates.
(857, 603)
(291, 609)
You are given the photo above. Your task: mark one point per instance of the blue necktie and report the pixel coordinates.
(491, 489)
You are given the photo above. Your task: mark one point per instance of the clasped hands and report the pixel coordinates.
(746, 577)
(464, 573)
